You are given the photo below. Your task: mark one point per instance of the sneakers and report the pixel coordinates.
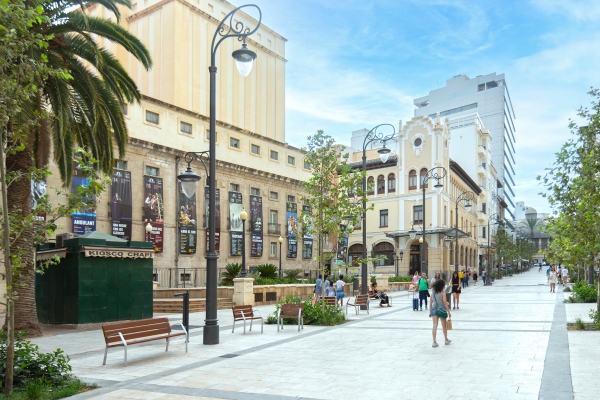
(421, 308)
(426, 307)
(448, 342)
(434, 344)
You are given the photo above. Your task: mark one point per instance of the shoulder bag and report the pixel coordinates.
(440, 312)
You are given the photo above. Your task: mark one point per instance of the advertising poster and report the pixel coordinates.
(38, 191)
(342, 250)
(307, 239)
(187, 223)
(154, 211)
(256, 221)
(235, 223)
(121, 204)
(217, 217)
(292, 229)
(84, 219)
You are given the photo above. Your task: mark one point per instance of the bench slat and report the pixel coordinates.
(143, 328)
(144, 340)
(141, 322)
(136, 335)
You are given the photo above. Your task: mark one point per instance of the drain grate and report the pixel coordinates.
(229, 355)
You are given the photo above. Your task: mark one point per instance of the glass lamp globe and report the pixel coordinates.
(244, 60)
(189, 181)
(438, 188)
(384, 154)
(243, 215)
(468, 207)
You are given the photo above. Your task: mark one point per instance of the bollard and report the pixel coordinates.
(186, 312)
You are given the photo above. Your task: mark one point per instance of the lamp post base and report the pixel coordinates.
(210, 334)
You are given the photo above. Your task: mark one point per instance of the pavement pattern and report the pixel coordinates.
(509, 342)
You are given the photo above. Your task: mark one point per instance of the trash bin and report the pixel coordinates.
(355, 284)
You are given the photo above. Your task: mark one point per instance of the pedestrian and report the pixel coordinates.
(552, 279)
(456, 290)
(423, 290)
(467, 277)
(339, 293)
(548, 274)
(565, 275)
(461, 276)
(385, 299)
(416, 278)
(474, 278)
(327, 283)
(440, 310)
(318, 288)
(484, 277)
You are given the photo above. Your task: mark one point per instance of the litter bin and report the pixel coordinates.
(355, 284)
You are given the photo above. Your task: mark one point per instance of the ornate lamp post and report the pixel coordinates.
(495, 217)
(437, 173)
(384, 153)
(398, 258)
(243, 217)
(244, 59)
(466, 197)
(280, 240)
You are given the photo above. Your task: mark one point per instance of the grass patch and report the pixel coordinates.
(40, 390)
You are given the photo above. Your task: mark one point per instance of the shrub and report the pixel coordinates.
(293, 273)
(32, 365)
(400, 279)
(280, 281)
(595, 316)
(579, 324)
(267, 270)
(232, 271)
(314, 314)
(584, 293)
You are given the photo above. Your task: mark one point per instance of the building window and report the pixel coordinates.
(235, 143)
(483, 208)
(380, 184)
(291, 199)
(291, 160)
(273, 216)
(418, 214)
(207, 135)
(273, 252)
(274, 155)
(234, 187)
(120, 164)
(186, 277)
(151, 171)
(386, 250)
(152, 117)
(370, 186)
(273, 195)
(255, 191)
(306, 164)
(483, 232)
(423, 176)
(445, 215)
(255, 149)
(185, 127)
(412, 180)
(391, 183)
(124, 109)
(383, 218)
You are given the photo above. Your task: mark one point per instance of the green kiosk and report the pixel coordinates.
(100, 278)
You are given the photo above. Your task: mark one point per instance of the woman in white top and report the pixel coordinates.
(552, 279)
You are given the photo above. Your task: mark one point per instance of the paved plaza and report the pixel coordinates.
(509, 342)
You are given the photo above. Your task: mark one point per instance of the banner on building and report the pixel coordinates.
(121, 204)
(342, 249)
(154, 211)
(84, 219)
(188, 231)
(38, 191)
(307, 239)
(256, 221)
(217, 217)
(292, 229)
(235, 223)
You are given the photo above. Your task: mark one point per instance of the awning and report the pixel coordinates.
(48, 254)
(446, 231)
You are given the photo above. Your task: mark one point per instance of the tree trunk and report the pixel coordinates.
(19, 201)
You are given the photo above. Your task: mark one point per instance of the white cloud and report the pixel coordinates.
(581, 10)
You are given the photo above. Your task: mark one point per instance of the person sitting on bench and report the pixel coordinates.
(381, 295)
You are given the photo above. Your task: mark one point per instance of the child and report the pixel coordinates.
(339, 294)
(329, 290)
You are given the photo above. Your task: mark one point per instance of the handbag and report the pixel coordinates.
(449, 324)
(440, 312)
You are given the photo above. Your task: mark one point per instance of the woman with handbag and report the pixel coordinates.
(440, 311)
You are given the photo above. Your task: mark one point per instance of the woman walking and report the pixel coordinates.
(456, 290)
(552, 279)
(440, 310)
(474, 278)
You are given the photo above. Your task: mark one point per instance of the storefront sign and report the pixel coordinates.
(119, 253)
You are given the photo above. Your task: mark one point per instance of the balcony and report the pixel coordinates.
(481, 170)
(274, 229)
(482, 150)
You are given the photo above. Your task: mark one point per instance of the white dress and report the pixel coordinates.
(552, 277)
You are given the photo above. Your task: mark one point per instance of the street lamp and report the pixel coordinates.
(489, 234)
(244, 58)
(396, 258)
(243, 217)
(148, 230)
(280, 240)
(437, 173)
(384, 153)
(466, 197)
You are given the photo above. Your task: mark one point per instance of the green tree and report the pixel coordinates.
(505, 247)
(85, 109)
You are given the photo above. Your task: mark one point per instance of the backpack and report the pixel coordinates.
(461, 275)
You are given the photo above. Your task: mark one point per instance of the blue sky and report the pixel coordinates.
(355, 64)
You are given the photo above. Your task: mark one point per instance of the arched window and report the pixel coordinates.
(423, 174)
(370, 186)
(412, 180)
(354, 253)
(384, 249)
(380, 184)
(391, 183)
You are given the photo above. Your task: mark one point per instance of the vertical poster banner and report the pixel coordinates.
(188, 230)
(292, 229)
(217, 217)
(38, 191)
(307, 239)
(84, 219)
(154, 211)
(256, 221)
(235, 223)
(342, 250)
(121, 204)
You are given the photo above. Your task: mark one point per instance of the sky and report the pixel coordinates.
(356, 64)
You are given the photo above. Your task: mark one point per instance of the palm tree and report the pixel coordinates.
(86, 111)
(531, 224)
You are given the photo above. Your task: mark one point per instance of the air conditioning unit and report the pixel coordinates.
(60, 239)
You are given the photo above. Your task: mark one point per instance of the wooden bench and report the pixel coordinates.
(331, 300)
(360, 300)
(142, 331)
(246, 313)
(291, 311)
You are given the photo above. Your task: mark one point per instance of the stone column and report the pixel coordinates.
(243, 291)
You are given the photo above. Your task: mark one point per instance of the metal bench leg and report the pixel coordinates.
(251, 325)
(124, 348)
(187, 337)
(167, 349)
(105, 354)
(261, 326)
(233, 329)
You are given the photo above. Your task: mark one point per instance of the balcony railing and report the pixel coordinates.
(274, 229)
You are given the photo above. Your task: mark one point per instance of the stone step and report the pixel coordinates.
(172, 306)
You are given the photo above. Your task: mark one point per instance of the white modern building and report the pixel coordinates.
(483, 98)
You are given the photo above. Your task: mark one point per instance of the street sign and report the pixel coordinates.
(339, 262)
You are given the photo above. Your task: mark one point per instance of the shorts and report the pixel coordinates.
(339, 294)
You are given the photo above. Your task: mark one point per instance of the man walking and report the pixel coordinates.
(565, 275)
(423, 290)
(484, 276)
